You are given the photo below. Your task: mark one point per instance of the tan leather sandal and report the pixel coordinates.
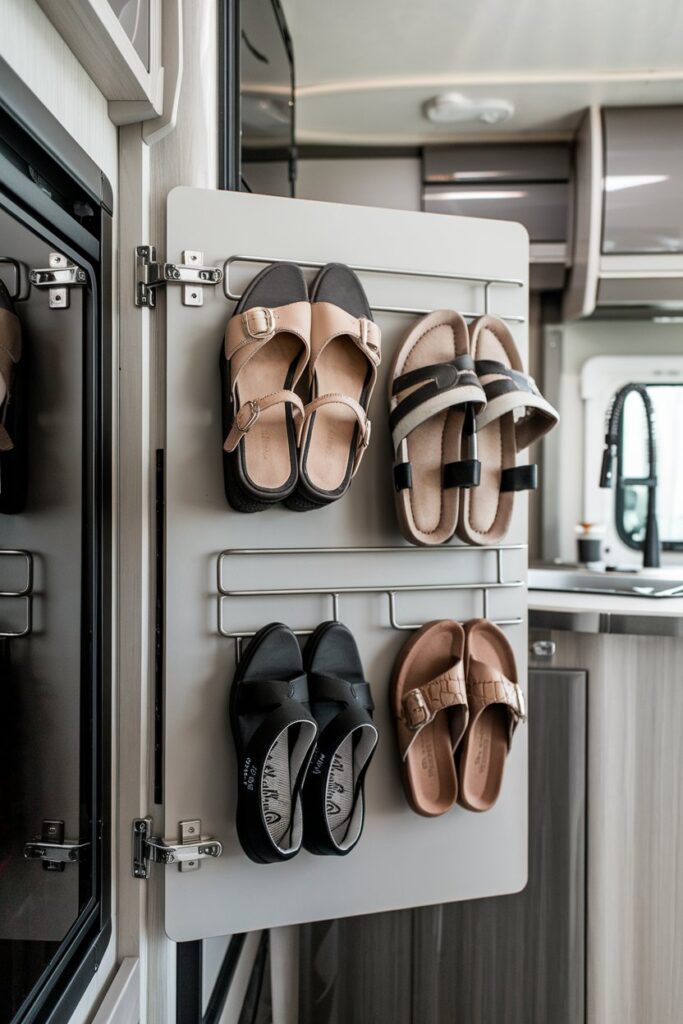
(429, 702)
(516, 414)
(345, 354)
(434, 395)
(265, 351)
(496, 707)
(12, 409)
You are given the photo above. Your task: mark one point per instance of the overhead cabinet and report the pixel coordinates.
(628, 230)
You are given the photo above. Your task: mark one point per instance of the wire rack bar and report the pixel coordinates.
(24, 593)
(335, 594)
(486, 283)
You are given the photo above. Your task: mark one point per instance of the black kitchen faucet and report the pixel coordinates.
(651, 546)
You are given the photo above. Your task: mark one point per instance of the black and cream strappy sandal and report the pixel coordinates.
(516, 414)
(274, 735)
(434, 395)
(341, 702)
(13, 463)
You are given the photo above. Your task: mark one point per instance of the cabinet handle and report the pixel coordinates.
(543, 648)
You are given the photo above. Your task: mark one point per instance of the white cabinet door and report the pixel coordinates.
(402, 860)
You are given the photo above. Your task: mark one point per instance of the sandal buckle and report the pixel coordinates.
(520, 704)
(263, 320)
(371, 347)
(416, 709)
(254, 413)
(365, 439)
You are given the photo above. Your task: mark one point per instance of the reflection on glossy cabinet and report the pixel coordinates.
(635, 826)
(516, 959)
(357, 970)
(520, 959)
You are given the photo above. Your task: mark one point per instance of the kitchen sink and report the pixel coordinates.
(585, 581)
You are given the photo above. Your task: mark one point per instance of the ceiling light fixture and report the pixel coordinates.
(489, 193)
(454, 108)
(618, 182)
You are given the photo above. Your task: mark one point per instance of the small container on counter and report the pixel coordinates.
(589, 537)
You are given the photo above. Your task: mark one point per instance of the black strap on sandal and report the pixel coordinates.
(466, 473)
(275, 736)
(443, 381)
(511, 391)
(403, 476)
(516, 380)
(437, 379)
(520, 478)
(333, 799)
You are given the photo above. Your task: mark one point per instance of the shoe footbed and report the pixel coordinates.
(486, 512)
(333, 651)
(427, 512)
(268, 454)
(429, 769)
(484, 750)
(331, 435)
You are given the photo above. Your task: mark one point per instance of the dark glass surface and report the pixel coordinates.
(46, 676)
(266, 88)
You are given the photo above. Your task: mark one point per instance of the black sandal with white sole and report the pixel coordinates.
(265, 350)
(275, 735)
(341, 702)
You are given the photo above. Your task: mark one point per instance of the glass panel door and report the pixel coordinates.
(46, 618)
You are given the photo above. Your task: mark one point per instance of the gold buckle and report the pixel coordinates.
(414, 702)
(257, 311)
(254, 413)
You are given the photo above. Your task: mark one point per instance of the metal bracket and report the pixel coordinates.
(61, 275)
(51, 847)
(191, 848)
(150, 274)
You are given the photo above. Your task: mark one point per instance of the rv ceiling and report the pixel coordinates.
(364, 77)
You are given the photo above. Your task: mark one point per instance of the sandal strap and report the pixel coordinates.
(261, 694)
(249, 331)
(421, 705)
(511, 391)
(356, 408)
(487, 685)
(329, 321)
(336, 690)
(443, 386)
(248, 414)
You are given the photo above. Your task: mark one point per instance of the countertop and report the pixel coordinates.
(606, 613)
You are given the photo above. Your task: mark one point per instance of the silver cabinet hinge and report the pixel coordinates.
(150, 274)
(53, 849)
(58, 278)
(191, 848)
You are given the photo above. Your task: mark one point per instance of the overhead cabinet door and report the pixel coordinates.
(228, 574)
